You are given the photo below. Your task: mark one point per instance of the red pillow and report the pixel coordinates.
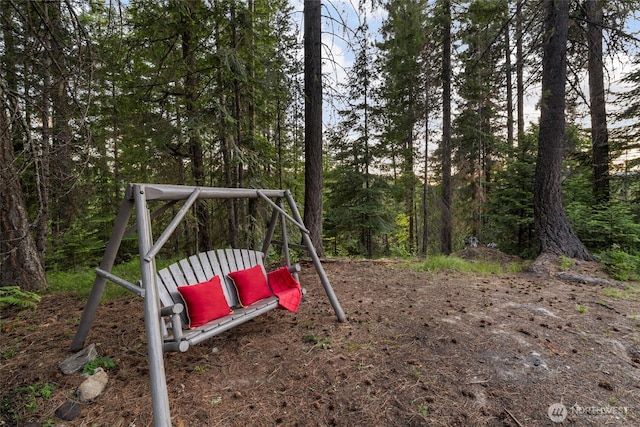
(205, 301)
(251, 285)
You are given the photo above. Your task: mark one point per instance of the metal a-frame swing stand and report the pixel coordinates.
(137, 195)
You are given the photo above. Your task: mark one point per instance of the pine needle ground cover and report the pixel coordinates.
(421, 348)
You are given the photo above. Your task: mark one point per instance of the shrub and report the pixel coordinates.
(14, 296)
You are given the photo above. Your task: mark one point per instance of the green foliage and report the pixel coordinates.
(323, 343)
(14, 296)
(566, 263)
(7, 354)
(148, 105)
(74, 282)
(441, 262)
(356, 216)
(628, 293)
(510, 203)
(400, 238)
(622, 265)
(80, 245)
(99, 362)
(33, 392)
(602, 226)
(80, 281)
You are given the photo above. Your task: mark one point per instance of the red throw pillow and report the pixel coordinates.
(205, 301)
(251, 285)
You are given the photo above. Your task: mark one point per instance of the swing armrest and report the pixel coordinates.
(174, 311)
(295, 268)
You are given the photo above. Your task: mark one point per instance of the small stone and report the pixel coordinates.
(93, 386)
(68, 411)
(77, 361)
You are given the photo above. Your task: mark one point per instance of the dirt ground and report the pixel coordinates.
(419, 349)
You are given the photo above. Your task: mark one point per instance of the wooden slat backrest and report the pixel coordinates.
(198, 269)
(206, 264)
(202, 267)
(223, 265)
(187, 270)
(231, 260)
(215, 265)
(246, 259)
(167, 288)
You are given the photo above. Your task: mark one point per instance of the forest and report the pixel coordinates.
(427, 144)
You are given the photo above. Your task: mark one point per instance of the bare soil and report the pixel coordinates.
(419, 349)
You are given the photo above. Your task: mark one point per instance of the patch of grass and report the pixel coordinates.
(614, 293)
(581, 308)
(99, 362)
(8, 354)
(354, 346)
(34, 391)
(629, 293)
(80, 282)
(76, 283)
(317, 341)
(566, 263)
(417, 373)
(442, 263)
(424, 410)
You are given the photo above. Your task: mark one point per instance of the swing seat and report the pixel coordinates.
(162, 299)
(197, 269)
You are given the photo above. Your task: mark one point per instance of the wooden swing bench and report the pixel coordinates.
(200, 268)
(165, 313)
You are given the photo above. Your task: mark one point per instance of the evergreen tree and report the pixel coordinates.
(355, 197)
(400, 67)
(552, 225)
(481, 81)
(447, 212)
(510, 208)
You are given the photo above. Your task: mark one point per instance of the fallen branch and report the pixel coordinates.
(572, 277)
(513, 417)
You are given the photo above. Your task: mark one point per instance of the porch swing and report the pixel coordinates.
(165, 309)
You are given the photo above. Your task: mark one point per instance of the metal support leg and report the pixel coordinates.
(316, 261)
(99, 283)
(159, 393)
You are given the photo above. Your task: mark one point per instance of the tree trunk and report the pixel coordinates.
(411, 188)
(19, 259)
(368, 244)
(509, 83)
(313, 122)
(599, 131)
(58, 179)
(227, 153)
(425, 176)
(447, 220)
(195, 144)
(519, 71)
(552, 224)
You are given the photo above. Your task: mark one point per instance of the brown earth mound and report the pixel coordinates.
(419, 349)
